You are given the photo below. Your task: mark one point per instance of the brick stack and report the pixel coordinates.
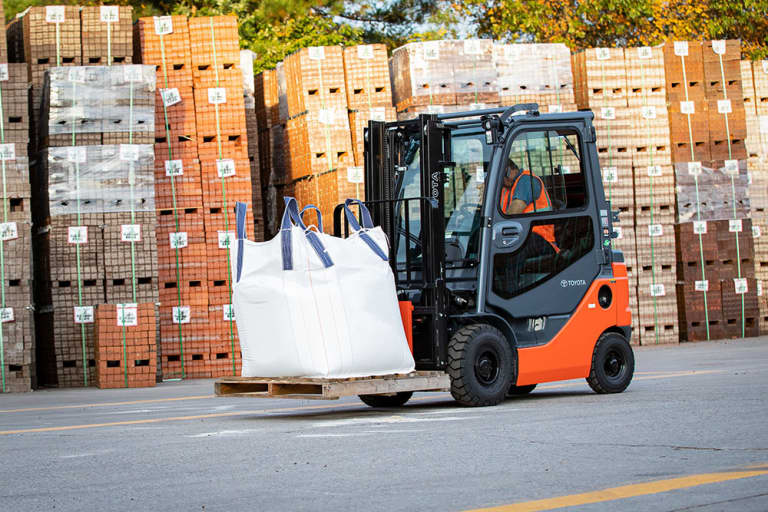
(126, 346)
(107, 35)
(535, 73)
(755, 85)
(45, 37)
(708, 129)
(17, 342)
(267, 119)
(252, 128)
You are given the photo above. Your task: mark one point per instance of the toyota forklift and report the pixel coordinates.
(488, 314)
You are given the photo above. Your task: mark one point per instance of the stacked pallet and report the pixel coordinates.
(717, 293)
(535, 73)
(17, 343)
(252, 131)
(269, 127)
(94, 196)
(107, 35)
(126, 346)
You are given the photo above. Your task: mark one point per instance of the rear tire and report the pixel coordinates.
(520, 390)
(395, 400)
(480, 364)
(613, 364)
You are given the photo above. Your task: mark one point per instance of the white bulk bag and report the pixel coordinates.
(309, 304)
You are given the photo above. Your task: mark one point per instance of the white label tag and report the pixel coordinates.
(181, 314)
(4, 72)
(130, 233)
(554, 109)
(718, 46)
(740, 285)
(701, 286)
(694, 168)
(9, 231)
(316, 52)
(326, 116)
(76, 74)
(225, 168)
(731, 167)
(477, 106)
(611, 174)
(378, 114)
(759, 289)
(763, 124)
(644, 52)
(657, 290)
(365, 52)
(174, 168)
(163, 25)
(77, 154)
(178, 240)
(228, 312)
(655, 230)
(473, 47)
(649, 112)
(755, 231)
(77, 235)
(602, 53)
(83, 314)
(765, 66)
(109, 13)
(217, 95)
(608, 113)
(6, 315)
(7, 152)
(129, 152)
(687, 107)
(435, 109)
(170, 96)
(355, 175)
(724, 106)
(654, 171)
(431, 50)
(619, 232)
(54, 13)
(565, 169)
(480, 174)
(127, 315)
(226, 239)
(699, 227)
(749, 178)
(133, 73)
(681, 48)
(734, 226)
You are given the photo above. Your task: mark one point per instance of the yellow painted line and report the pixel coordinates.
(643, 377)
(625, 491)
(197, 417)
(108, 404)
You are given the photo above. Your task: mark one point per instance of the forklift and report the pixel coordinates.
(494, 302)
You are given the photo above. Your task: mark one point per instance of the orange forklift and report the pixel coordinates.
(500, 243)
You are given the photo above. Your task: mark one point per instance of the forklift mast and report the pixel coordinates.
(431, 183)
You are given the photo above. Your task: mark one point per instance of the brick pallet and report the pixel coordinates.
(107, 32)
(125, 346)
(538, 73)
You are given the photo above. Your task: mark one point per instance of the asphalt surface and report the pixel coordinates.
(691, 410)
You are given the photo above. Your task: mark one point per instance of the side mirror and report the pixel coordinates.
(492, 127)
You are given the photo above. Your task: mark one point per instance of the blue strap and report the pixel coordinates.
(240, 210)
(292, 216)
(319, 215)
(367, 224)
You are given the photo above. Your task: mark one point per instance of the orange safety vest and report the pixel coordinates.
(539, 204)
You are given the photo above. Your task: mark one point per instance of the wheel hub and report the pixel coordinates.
(487, 367)
(613, 364)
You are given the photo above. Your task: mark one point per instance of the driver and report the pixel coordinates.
(523, 192)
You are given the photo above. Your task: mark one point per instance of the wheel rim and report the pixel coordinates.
(614, 365)
(487, 367)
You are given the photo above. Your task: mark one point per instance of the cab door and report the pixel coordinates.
(542, 260)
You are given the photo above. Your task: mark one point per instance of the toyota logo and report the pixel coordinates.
(564, 283)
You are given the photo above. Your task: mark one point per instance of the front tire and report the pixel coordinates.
(613, 364)
(394, 400)
(480, 364)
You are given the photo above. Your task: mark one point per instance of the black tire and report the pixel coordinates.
(395, 400)
(613, 364)
(480, 364)
(520, 390)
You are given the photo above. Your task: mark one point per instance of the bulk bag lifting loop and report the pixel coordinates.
(367, 224)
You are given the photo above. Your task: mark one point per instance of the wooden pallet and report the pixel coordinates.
(330, 389)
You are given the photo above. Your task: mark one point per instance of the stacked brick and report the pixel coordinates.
(755, 85)
(717, 290)
(203, 166)
(107, 35)
(126, 345)
(17, 343)
(252, 130)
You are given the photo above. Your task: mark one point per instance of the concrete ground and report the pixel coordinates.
(691, 433)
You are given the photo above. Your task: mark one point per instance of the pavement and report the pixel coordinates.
(690, 433)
